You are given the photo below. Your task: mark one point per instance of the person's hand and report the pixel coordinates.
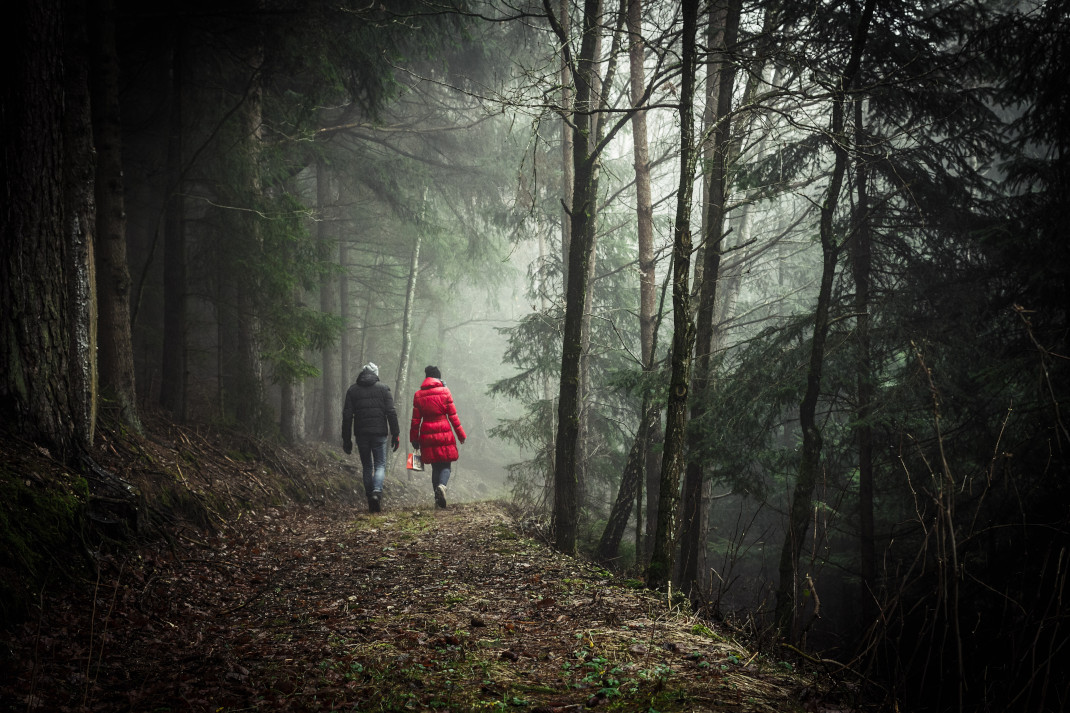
(461, 439)
(415, 445)
(347, 446)
(396, 442)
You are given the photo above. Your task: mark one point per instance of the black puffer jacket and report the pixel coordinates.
(369, 409)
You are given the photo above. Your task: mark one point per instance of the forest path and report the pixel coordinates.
(335, 609)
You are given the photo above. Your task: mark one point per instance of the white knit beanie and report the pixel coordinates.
(370, 366)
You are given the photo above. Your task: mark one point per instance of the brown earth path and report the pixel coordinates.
(334, 609)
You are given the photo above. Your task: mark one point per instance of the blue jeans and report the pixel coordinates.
(372, 450)
(440, 474)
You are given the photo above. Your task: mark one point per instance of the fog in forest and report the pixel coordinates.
(761, 303)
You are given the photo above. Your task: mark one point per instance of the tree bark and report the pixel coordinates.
(46, 330)
(810, 463)
(662, 558)
(634, 470)
(332, 398)
(720, 80)
(116, 352)
(400, 383)
(630, 483)
(583, 219)
(291, 411)
(249, 405)
(861, 264)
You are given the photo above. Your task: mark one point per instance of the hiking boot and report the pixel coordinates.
(440, 496)
(373, 502)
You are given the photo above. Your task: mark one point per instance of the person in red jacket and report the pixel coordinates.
(434, 421)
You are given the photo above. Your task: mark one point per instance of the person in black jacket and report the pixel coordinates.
(366, 415)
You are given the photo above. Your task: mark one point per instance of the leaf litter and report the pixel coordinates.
(330, 608)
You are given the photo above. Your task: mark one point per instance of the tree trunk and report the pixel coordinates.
(291, 412)
(568, 179)
(720, 81)
(630, 483)
(173, 363)
(583, 220)
(653, 491)
(645, 235)
(116, 352)
(810, 463)
(46, 325)
(663, 556)
(345, 343)
(249, 407)
(400, 383)
(632, 478)
(568, 183)
(332, 398)
(861, 262)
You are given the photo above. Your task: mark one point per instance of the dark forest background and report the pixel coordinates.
(764, 303)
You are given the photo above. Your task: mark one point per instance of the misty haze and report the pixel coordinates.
(733, 338)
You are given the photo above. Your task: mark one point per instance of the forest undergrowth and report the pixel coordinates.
(271, 587)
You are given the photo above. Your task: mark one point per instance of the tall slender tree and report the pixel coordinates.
(663, 555)
(116, 353)
(173, 363)
(721, 72)
(650, 414)
(330, 411)
(841, 95)
(582, 228)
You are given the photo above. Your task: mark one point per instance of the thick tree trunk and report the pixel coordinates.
(46, 326)
(810, 463)
(720, 81)
(662, 558)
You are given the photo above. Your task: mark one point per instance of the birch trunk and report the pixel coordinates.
(401, 383)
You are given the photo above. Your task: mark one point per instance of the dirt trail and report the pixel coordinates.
(334, 609)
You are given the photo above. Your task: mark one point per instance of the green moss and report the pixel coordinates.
(40, 520)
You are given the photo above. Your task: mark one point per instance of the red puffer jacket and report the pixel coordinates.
(432, 413)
